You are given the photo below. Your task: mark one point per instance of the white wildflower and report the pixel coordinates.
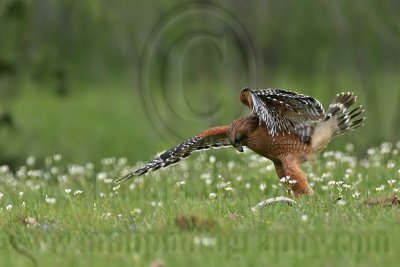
(385, 148)
(48, 161)
(136, 211)
(324, 187)
(101, 176)
(1, 195)
(355, 194)
(108, 161)
(223, 185)
(4, 169)
(247, 185)
(62, 178)
(341, 202)
(47, 176)
(349, 171)
(76, 169)
(262, 186)
(115, 188)
(208, 181)
(89, 166)
(180, 183)
(391, 164)
(54, 170)
(346, 186)
(30, 161)
(35, 187)
(205, 176)
(9, 207)
(380, 188)
(67, 190)
(371, 151)
(78, 192)
(20, 194)
(122, 161)
(35, 173)
(212, 159)
(231, 165)
(304, 218)
(212, 195)
(205, 241)
(349, 147)
(50, 200)
(391, 181)
(197, 240)
(57, 157)
(331, 164)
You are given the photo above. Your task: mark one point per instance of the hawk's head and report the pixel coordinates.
(240, 129)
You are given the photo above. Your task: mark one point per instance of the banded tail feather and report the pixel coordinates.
(339, 109)
(212, 138)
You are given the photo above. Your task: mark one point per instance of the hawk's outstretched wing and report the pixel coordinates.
(211, 138)
(284, 111)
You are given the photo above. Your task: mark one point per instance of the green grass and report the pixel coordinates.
(198, 213)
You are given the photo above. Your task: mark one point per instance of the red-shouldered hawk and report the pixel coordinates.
(286, 127)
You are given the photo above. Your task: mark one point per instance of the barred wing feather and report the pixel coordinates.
(211, 138)
(284, 111)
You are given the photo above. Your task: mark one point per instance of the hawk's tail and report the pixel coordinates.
(338, 120)
(211, 138)
(339, 111)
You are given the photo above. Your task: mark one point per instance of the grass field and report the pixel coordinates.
(198, 213)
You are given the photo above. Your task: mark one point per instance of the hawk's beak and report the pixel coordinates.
(239, 147)
(236, 143)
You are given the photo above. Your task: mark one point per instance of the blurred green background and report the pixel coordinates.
(93, 79)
